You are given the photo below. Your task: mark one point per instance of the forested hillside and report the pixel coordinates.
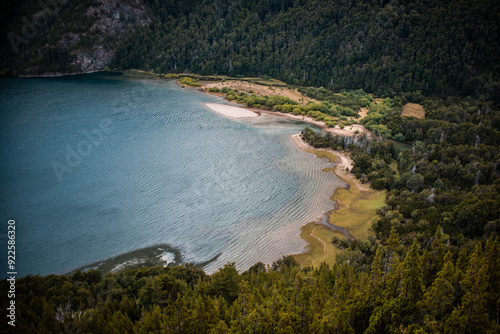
(408, 288)
(64, 36)
(383, 47)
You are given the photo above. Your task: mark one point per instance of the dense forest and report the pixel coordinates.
(64, 36)
(380, 46)
(406, 287)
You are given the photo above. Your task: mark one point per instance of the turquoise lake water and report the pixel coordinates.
(98, 165)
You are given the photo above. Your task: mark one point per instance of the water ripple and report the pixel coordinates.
(170, 172)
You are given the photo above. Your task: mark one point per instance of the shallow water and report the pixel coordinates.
(98, 165)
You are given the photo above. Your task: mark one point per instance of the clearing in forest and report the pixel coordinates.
(413, 110)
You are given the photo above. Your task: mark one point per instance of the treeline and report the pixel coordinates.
(384, 47)
(409, 287)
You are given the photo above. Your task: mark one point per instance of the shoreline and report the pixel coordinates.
(322, 125)
(232, 111)
(156, 255)
(349, 130)
(357, 206)
(54, 74)
(341, 162)
(303, 118)
(319, 233)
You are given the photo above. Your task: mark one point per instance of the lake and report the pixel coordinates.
(99, 165)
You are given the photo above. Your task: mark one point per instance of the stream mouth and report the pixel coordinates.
(324, 221)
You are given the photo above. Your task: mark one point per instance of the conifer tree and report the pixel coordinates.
(438, 251)
(404, 310)
(439, 299)
(152, 321)
(178, 314)
(492, 257)
(471, 316)
(411, 281)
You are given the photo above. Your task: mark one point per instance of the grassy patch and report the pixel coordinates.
(413, 110)
(324, 154)
(357, 210)
(321, 248)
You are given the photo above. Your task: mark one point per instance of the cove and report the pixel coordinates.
(167, 171)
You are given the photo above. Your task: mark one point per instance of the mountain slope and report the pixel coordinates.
(66, 36)
(384, 47)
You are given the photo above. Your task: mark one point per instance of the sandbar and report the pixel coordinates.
(230, 111)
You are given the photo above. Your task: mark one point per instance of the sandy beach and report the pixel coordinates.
(260, 90)
(230, 111)
(341, 164)
(342, 160)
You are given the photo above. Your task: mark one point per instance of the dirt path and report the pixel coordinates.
(315, 237)
(362, 113)
(321, 241)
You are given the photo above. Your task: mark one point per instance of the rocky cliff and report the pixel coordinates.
(67, 36)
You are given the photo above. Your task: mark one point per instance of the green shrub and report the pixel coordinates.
(189, 81)
(278, 99)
